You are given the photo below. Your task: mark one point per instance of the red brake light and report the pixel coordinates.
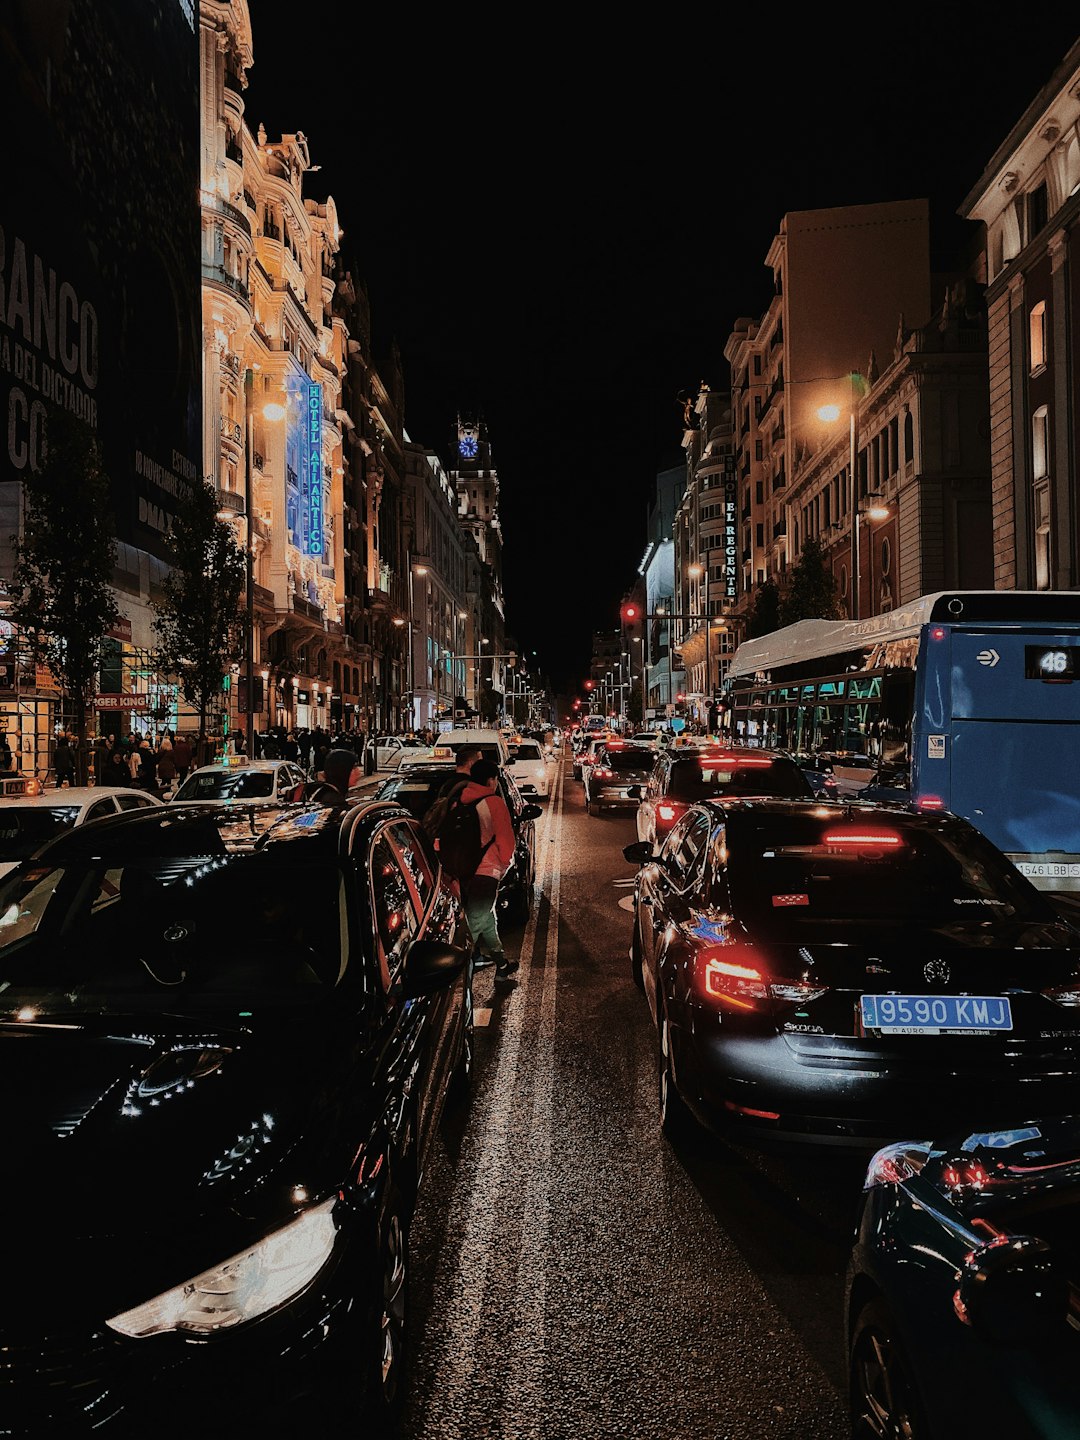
(724, 979)
(930, 802)
(667, 812)
(602, 774)
(864, 838)
(715, 761)
(937, 633)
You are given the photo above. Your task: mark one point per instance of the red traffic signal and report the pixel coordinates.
(631, 613)
(589, 684)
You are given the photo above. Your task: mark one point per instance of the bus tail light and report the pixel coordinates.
(929, 802)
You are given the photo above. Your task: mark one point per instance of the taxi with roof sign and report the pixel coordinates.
(849, 974)
(235, 778)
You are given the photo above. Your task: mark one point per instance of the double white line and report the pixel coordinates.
(505, 1174)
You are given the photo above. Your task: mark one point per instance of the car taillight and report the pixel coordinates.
(893, 1165)
(1068, 994)
(929, 802)
(602, 774)
(735, 976)
(668, 812)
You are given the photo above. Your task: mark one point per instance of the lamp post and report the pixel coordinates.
(830, 414)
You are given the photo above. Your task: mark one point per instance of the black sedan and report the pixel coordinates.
(228, 1034)
(843, 973)
(419, 785)
(619, 767)
(963, 1288)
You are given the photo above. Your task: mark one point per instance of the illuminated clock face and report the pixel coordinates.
(467, 447)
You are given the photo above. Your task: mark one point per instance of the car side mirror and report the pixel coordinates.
(640, 853)
(430, 965)
(1014, 1293)
(531, 812)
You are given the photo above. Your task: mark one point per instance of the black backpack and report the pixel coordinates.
(456, 826)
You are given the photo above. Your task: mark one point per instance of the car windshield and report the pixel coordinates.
(23, 828)
(708, 777)
(528, 750)
(796, 877)
(134, 933)
(228, 785)
(416, 791)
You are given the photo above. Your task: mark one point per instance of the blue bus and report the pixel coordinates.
(966, 701)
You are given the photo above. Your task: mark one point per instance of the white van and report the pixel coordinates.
(491, 742)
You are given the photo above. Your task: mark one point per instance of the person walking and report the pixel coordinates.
(64, 762)
(497, 840)
(182, 755)
(116, 770)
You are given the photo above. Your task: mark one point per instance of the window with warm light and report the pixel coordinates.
(1042, 535)
(1037, 336)
(1040, 443)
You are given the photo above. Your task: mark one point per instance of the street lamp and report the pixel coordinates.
(830, 414)
(872, 512)
(702, 572)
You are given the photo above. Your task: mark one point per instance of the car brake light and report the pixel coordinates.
(894, 1164)
(863, 838)
(1068, 994)
(602, 774)
(667, 812)
(735, 982)
(712, 762)
(930, 802)
(746, 1110)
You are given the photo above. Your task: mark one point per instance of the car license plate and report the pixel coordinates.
(935, 1014)
(1047, 870)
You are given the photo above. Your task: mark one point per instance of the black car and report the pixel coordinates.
(963, 1284)
(705, 772)
(619, 767)
(843, 973)
(418, 786)
(228, 1034)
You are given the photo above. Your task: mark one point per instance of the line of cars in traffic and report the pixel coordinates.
(842, 973)
(233, 1021)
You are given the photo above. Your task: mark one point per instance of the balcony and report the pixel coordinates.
(219, 277)
(230, 501)
(217, 206)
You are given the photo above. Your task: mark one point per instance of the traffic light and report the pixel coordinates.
(589, 684)
(631, 613)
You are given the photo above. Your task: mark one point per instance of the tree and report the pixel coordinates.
(199, 624)
(811, 593)
(61, 592)
(765, 614)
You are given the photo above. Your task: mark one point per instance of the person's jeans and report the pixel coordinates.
(480, 894)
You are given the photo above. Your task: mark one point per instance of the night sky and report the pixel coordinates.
(560, 218)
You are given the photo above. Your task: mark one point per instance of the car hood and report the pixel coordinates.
(141, 1149)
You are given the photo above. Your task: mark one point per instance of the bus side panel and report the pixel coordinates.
(1000, 748)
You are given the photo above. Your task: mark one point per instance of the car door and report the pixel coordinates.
(671, 886)
(646, 812)
(415, 1031)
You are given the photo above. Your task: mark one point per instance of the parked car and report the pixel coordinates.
(962, 1284)
(233, 1032)
(847, 974)
(419, 785)
(236, 778)
(530, 768)
(701, 772)
(819, 771)
(28, 821)
(619, 768)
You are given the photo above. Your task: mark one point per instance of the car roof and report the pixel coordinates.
(76, 795)
(241, 763)
(315, 828)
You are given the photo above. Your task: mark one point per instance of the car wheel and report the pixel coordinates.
(388, 1333)
(636, 973)
(676, 1119)
(884, 1401)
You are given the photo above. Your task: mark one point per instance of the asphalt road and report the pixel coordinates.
(572, 1275)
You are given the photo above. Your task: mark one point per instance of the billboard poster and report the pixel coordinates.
(100, 304)
(312, 496)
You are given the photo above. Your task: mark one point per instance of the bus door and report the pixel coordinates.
(999, 741)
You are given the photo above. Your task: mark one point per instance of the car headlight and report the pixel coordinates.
(243, 1287)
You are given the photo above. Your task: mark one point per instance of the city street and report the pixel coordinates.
(572, 1275)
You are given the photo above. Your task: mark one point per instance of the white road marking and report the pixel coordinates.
(497, 1167)
(481, 1017)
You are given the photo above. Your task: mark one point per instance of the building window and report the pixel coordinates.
(757, 364)
(909, 438)
(1042, 535)
(759, 450)
(886, 556)
(1037, 335)
(843, 582)
(1040, 448)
